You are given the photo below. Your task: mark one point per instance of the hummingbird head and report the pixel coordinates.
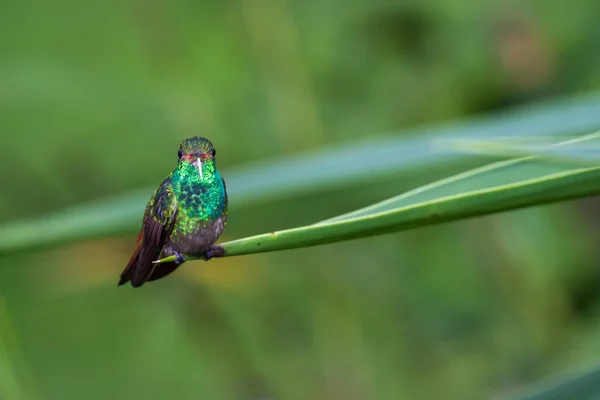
(196, 150)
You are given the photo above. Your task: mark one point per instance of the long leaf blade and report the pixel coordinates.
(501, 186)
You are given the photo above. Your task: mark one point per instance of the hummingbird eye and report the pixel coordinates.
(213, 152)
(179, 153)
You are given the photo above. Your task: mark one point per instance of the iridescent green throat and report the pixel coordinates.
(199, 196)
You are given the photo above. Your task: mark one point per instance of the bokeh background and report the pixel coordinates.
(94, 100)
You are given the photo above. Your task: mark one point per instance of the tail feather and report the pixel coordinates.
(126, 275)
(144, 267)
(140, 269)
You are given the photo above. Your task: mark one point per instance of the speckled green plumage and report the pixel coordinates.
(198, 201)
(185, 215)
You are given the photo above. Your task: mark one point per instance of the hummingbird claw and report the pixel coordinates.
(180, 258)
(214, 251)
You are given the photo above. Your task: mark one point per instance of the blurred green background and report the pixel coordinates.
(94, 100)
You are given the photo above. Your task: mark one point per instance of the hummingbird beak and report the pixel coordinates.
(199, 166)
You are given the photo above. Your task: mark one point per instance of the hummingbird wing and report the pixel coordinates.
(158, 223)
(225, 193)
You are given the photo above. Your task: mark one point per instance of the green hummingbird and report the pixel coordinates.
(185, 216)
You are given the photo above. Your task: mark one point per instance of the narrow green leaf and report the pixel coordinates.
(570, 153)
(501, 186)
(576, 153)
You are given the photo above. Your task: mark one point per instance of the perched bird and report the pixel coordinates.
(185, 216)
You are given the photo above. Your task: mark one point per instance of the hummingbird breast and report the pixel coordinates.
(201, 216)
(199, 239)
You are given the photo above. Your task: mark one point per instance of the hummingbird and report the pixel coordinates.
(185, 216)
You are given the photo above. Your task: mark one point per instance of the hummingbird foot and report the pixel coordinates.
(180, 258)
(214, 251)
